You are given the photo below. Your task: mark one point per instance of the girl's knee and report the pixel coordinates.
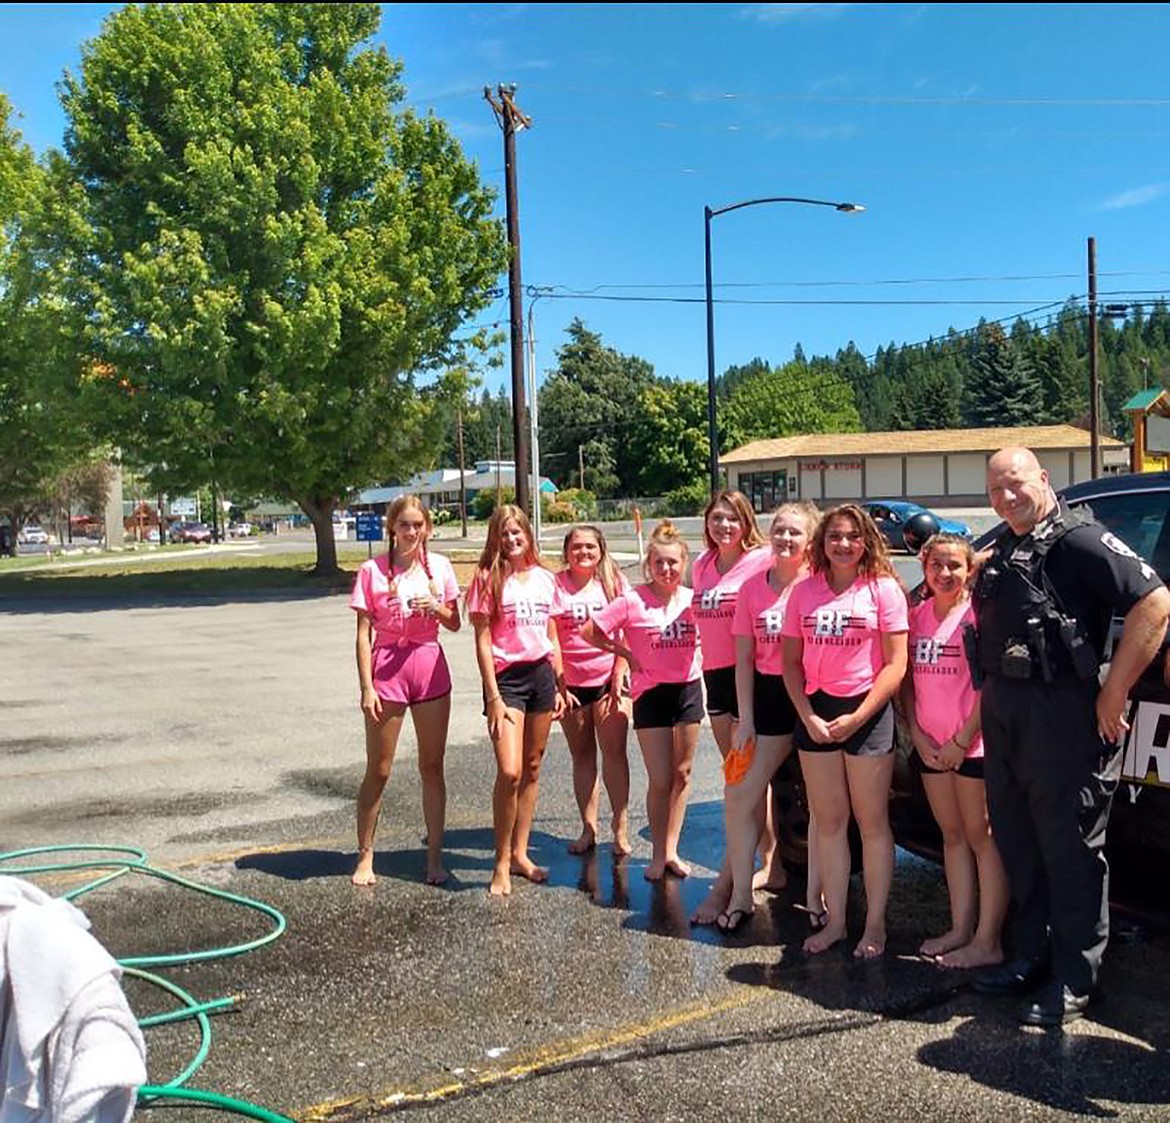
(509, 778)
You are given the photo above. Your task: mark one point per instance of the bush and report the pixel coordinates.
(484, 502)
(690, 499)
(559, 512)
(582, 502)
(441, 515)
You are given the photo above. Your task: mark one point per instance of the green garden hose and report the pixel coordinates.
(134, 860)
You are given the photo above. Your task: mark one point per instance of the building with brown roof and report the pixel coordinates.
(935, 467)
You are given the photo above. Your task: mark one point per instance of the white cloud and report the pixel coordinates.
(787, 13)
(1136, 197)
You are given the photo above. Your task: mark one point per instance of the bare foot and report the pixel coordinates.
(501, 885)
(523, 866)
(973, 955)
(948, 941)
(586, 842)
(364, 874)
(770, 879)
(655, 871)
(621, 839)
(824, 939)
(872, 945)
(713, 904)
(436, 875)
(678, 867)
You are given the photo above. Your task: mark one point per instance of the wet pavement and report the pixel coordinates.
(223, 737)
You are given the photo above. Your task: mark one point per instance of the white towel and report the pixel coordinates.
(70, 1048)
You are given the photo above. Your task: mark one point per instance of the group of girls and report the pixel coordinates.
(805, 643)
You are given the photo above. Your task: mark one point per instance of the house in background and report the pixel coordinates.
(439, 489)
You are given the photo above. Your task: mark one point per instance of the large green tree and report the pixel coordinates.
(585, 410)
(667, 436)
(275, 254)
(1002, 388)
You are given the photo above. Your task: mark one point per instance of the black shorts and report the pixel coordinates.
(774, 712)
(587, 695)
(874, 738)
(721, 697)
(972, 768)
(531, 687)
(669, 704)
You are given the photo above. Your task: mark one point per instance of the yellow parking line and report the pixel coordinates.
(545, 1056)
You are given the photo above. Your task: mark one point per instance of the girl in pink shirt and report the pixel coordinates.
(596, 684)
(767, 718)
(844, 658)
(401, 599)
(510, 602)
(660, 644)
(735, 553)
(942, 711)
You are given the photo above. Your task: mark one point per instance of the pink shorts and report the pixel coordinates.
(414, 672)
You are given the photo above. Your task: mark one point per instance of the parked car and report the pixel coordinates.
(907, 526)
(1136, 508)
(190, 532)
(33, 535)
(239, 530)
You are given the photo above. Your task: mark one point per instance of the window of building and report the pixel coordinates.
(764, 490)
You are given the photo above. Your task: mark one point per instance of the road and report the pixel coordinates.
(223, 737)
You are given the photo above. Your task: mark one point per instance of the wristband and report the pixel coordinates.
(494, 698)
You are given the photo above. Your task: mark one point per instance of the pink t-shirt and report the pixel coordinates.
(759, 613)
(585, 665)
(520, 632)
(715, 597)
(944, 694)
(385, 597)
(661, 637)
(842, 631)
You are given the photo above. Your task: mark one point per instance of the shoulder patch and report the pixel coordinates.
(1111, 542)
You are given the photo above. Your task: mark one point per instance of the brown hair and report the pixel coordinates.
(945, 538)
(875, 561)
(493, 566)
(607, 571)
(737, 501)
(402, 503)
(664, 534)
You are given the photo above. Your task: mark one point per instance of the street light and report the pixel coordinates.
(708, 214)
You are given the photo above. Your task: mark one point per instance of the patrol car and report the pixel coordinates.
(1135, 509)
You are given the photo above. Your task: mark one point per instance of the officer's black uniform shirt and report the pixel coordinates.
(1096, 576)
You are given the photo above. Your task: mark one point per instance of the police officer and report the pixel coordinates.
(1044, 600)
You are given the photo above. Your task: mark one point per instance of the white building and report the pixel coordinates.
(935, 467)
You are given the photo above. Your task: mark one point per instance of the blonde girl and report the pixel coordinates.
(941, 705)
(401, 599)
(596, 685)
(656, 623)
(510, 601)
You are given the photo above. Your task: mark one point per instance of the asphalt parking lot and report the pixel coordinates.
(223, 737)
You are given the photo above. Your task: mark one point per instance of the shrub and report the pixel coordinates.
(690, 499)
(559, 512)
(582, 501)
(484, 502)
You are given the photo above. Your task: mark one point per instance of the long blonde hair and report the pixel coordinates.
(664, 534)
(403, 503)
(607, 571)
(493, 566)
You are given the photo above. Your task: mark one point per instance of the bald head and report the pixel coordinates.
(1018, 488)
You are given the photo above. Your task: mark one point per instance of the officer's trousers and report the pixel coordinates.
(1050, 783)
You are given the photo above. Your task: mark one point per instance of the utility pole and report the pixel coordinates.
(581, 467)
(462, 482)
(1094, 376)
(510, 117)
(499, 493)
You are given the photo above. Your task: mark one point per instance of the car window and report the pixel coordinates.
(1141, 519)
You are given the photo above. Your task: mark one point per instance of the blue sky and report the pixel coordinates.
(987, 143)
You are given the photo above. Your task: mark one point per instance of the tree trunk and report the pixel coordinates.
(320, 512)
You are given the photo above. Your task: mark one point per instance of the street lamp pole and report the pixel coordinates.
(708, 214)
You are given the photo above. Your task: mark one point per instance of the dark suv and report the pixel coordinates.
(1137, 509)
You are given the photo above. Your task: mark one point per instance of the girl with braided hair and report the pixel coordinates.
(400, 599)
